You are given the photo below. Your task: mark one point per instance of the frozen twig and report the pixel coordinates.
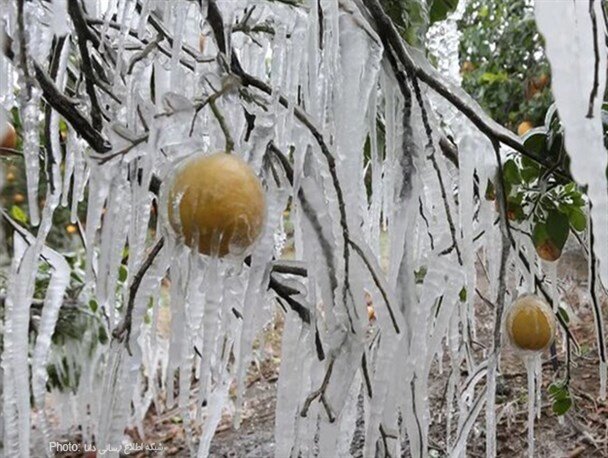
(56, 47)
(65, 107)
(596, 54)
(23, 51)
(148, 48)
(222, 122)
(431, 156)
(320, 393)
(501, 197)
(593, 281)
(123, 330)
(82, 32)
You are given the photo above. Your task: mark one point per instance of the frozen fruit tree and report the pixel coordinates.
(353, 133)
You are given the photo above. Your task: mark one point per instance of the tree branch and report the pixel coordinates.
(65, 107)
(463, 102)
(123, 330)
(82, 32)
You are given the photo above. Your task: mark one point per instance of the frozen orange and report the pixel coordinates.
(216, 203)
(530, 323)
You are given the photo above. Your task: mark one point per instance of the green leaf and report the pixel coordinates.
(561, 406)
(491, 78)
(420, 274)
(462, 295)
(530, 170)
(122, 274)
(102, 334)
(93, 305)
(558, 228)
(539, 234)
(535, 141)
(18, 214)
(441, 8)
(578, 220)
(511, 172)
(566, 319)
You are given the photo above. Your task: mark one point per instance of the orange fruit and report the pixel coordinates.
(542, 81)
(524, 127)
(71, 229)
(467, 67)
(530, 323)
(216, 203)
(548, 251)
(9, 139)
(18, 198)
(10, 177)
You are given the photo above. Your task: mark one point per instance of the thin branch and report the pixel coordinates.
(23, 52)
(222, 122)
(9, 152)
(82, 32)
(65, 107)
(377, 282)
(501, 195)
(144, 53)
(431, 146)
(597, 309)
(123, 330)
(57, 48)
(320, 393)
(596, 53)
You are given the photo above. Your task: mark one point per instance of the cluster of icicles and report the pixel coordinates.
(336, 368)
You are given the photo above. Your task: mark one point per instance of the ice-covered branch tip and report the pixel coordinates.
(123, 330)
(420, 68)
(76, 13)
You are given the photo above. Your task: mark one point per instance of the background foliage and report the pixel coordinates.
(503, 62)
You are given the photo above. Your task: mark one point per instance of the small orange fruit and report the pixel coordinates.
(10, 177)
(548, 251)
(71, 229)
(216, 203)
(530, 323)
(467, 67)
(542, 81)
(9, 139)
(524, 127)
(18, 198)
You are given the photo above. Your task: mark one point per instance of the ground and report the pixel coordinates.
(582, 432)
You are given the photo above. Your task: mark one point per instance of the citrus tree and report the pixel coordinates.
(178, 142)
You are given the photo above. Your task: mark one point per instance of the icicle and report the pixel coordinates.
(52, 303)
(31, 151)
(531, 362)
